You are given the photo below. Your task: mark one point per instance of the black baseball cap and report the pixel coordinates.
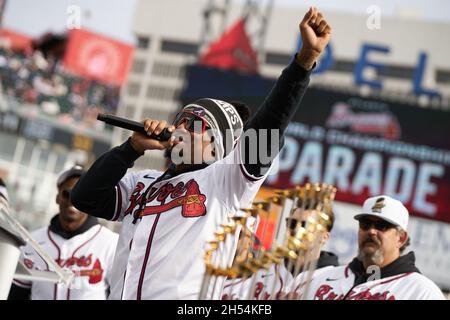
(75, 171)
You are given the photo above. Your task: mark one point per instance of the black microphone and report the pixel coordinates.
(132, 125)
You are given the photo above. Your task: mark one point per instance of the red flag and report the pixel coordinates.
(97, 57)
(16, 41)
(232, 51)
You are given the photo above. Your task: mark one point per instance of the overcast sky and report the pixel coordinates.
(114, 17)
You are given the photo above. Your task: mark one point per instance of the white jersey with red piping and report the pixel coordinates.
(337, 283)
(264, 285)
(89, 255)
(161, 254)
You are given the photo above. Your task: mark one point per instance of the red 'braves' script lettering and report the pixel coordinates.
(325, 292)
(185, 195)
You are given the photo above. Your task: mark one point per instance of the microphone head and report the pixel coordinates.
(101, 117)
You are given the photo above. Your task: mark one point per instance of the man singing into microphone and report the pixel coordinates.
(167, 217)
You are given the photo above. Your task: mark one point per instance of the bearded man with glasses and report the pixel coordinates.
(380, 271)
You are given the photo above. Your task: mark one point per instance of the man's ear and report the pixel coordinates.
(325, 237)
(403, 238)
(57, 199)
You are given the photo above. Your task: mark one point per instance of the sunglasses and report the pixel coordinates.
(294, 223)
(191, 121)
(379, 225)
(65, 193)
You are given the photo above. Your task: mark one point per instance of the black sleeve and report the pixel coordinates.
(19, 293)
(95, 192)
(276, 112)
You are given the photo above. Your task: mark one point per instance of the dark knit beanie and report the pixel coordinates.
(223, 118)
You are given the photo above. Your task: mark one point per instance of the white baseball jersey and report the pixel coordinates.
(161, 255)
(269, 284)
(301, 279)
(89, 255)
(336, 283)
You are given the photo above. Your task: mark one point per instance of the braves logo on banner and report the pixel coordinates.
(185, 195)
(383, 124)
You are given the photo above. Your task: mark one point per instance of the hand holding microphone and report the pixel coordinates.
(151, 134)
(133, 126)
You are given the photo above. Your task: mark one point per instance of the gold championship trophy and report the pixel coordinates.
(248, 268)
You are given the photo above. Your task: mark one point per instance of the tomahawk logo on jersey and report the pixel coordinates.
(160, 254)
(89, 255)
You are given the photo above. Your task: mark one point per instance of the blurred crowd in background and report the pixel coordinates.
(33, 79)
